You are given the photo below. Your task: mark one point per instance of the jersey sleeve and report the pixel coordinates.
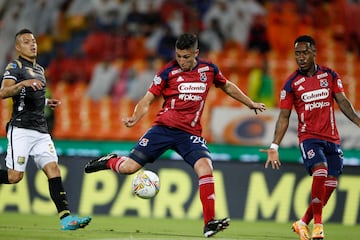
(157, 85)
(219, 79)
(287, 96)
(337, 83)
(161, 78)
(12, 71)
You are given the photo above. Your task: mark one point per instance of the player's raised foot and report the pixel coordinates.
(318, 232)
(302, 230)
(74, 222)
(215, 226)
(99, 163)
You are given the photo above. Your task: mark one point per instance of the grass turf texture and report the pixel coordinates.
(19, 226)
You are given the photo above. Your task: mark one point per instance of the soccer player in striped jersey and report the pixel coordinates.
(184, 84)
(313, 90)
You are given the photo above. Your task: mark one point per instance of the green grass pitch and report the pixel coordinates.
(15, 226)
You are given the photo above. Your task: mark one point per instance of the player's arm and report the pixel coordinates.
(52, 103)
(347, 108)
(141, 108)
(233, 91)
(281, 127)
(10, 88)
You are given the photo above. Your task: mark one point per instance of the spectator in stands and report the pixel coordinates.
(79, 8)
(245, 11)
(121, 85)
(179, 15)
(212, 37)
(176, 22)
(249, 8)
(44, 11)
(103, 78)
(134, 20)
(142, 80)
(240, 28)
(165, 46)
(353, 43)
(152, 41)
(58, 67)
(152, 19)
(261, 84)
(106, 14)
(9, 24)
(258, 38)
(223, 11)
(202, 6)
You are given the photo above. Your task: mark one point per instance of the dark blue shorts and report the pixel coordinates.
(158, 139)
(315, 151)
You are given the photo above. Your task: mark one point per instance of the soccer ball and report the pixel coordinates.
(146, 184)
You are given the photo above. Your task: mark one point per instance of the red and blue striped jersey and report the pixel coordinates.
(184, 94)
(313, 100)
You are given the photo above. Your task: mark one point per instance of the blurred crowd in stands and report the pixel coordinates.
(114, 47)
(76, 35)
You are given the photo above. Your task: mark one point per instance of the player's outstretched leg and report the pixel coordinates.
(99, 163)
(302, 230)
(74, 222)
(215, 226)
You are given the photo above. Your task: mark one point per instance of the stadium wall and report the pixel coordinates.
(244, 191)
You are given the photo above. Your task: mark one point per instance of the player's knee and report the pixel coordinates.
(51, 170)
(203, 167)
(129, 167)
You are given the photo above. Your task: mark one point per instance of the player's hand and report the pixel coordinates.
(33, 83)
(258, 107)
(53, 103)
(129, 121)
(272, 157)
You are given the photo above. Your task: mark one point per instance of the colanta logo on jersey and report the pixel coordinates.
(196, 87)
(189, 91)
(315, 95)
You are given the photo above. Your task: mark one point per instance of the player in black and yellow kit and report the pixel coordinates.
(27, 131)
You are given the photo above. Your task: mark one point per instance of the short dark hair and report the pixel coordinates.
(305, 38)
(23, 31)
(187, 41)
